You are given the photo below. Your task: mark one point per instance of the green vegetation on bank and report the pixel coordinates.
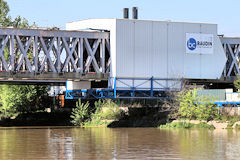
(104, 112)
(192, 106)
(195, 107)
(186, 125)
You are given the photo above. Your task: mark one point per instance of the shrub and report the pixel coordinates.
(80, 113)
(193, 106)
(106, 110)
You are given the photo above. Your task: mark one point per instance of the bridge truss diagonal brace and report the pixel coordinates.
(70, 54)
(91, 55)
(234, 54)
(231, 48)
(3, 44)
(24, 53)
(47, 54)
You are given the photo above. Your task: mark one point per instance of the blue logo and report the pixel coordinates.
(191, 44)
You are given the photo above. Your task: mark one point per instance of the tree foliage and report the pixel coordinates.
(21, 99)
(18, 98)
(237, 82)
(197, 107)
(5, 19)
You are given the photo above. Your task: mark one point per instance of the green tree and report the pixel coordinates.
(21, 99)
(5, 19)
(18, 98)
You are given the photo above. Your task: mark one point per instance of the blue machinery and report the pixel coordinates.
(120, 88)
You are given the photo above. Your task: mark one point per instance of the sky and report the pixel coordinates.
(56, 13)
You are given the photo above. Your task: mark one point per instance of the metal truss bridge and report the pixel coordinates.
(53, 55)
(231, 47)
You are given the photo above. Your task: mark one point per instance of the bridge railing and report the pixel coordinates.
(44, 51)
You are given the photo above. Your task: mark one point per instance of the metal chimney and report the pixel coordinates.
(125, 13)
(135, 13)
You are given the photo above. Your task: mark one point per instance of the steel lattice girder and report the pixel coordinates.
(38, 51)
(232, 49)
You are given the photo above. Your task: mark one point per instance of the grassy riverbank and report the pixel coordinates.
(231, 123)
(109, 113)
(186, 125)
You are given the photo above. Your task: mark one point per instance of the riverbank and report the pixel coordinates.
(115, 115)
(137, 117)
(141, 117)
(214, 124)
(39, 119)
(133, 117)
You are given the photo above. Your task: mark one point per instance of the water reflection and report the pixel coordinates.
(131, 143)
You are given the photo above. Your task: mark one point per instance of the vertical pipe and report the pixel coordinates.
(115, 89)
(125, 13)
(134, 13)
(151, 86)
(66, 93)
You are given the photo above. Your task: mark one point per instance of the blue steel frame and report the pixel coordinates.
(221, 104)
(128, 91)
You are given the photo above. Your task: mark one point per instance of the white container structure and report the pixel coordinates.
(141, 49)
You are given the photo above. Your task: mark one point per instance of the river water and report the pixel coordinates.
(121, 143)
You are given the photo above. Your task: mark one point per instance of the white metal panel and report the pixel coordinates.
(143, 49)
(192, 61)
(159, 50)
(125, 54)
(176, 46)
(71, 85)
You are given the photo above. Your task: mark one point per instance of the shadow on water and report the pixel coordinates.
(142, 117)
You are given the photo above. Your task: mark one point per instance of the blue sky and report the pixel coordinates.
(49, 13)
